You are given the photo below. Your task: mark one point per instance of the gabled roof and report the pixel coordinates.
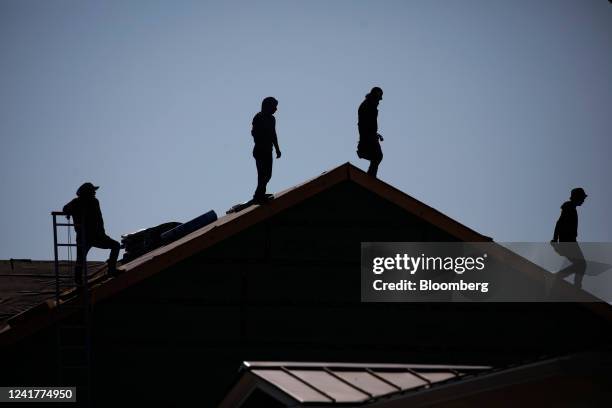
(227, 226)
(403, 385)
(331, 384)
(231, 224)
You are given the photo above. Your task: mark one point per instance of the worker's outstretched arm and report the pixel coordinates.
(69, 208)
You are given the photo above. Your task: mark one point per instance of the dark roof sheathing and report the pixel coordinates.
(25, 283)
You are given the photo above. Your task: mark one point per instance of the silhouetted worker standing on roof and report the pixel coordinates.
(89, 227)
(566, 232)
(369, 139)
(264, 135)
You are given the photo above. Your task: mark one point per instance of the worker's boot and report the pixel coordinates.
(112, 269)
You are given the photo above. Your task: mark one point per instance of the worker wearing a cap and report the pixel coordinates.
(564, 238)
(369, 138)
(89, 227)
(566, 229)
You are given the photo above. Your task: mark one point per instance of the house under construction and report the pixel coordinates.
(262, 308)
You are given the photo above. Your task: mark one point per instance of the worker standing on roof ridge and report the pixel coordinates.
(89, 228)
(566, 232)
(369, 138)
(264, 136)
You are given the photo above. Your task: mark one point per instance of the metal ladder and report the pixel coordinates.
(74, 332)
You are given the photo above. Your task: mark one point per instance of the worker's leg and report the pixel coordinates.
(376, 158)
(577, 266)
(268, 168)
(373, 169)
(261, 183)
(106, 242)
(263, 161)
(82, 249)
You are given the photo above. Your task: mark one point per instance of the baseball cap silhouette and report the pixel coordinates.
(86, 188)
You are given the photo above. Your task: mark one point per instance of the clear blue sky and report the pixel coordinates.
(493, 110)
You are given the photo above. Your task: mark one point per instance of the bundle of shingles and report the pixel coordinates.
(145, 240)
(140, 242)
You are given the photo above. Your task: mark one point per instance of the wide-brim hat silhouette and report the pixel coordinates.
(86, 188)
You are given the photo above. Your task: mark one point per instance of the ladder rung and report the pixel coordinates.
(64, 224)
(66, 245)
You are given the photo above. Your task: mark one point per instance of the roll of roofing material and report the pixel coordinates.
(189, 227)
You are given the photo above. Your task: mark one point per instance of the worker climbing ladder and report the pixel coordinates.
(74, 328)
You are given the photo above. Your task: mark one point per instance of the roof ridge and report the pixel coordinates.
(161, 258)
